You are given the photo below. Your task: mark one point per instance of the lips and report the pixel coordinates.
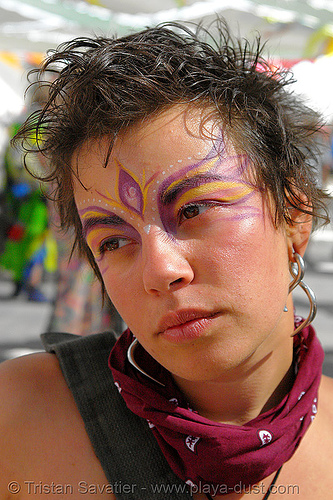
(185, 324)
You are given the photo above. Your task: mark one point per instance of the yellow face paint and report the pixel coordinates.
(226, 191)
(130, 193)
(218, 177)
(195, 172)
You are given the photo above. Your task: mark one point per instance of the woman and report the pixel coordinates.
(185, 171)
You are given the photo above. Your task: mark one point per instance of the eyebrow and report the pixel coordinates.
(169, 195)
(108, 220)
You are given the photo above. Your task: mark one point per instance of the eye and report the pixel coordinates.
(193, 210)
(112, 244)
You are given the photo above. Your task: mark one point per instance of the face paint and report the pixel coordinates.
(97, 223)
(131, 193)
(203, 179)
(217, 175)
(93, 217)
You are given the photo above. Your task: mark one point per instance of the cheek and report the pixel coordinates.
(230, 242)
(123, 293)
(251, 252)
(117, 295)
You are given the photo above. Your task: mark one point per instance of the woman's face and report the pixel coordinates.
(185, 245)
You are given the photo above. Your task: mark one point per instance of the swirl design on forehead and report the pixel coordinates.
(131, 193)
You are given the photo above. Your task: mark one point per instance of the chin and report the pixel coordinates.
(208, 370)
(228, 361)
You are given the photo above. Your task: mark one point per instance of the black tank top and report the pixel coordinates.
(126, 448)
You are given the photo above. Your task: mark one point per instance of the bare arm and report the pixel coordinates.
(43, 443)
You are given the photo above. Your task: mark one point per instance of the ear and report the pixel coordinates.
(298, 232)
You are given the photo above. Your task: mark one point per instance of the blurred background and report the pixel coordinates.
(40, 290)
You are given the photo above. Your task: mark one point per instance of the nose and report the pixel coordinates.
(165, 266)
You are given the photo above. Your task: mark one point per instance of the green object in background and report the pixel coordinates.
(32, 215)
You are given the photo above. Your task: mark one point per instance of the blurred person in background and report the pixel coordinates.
(78, 305)
(28, 247)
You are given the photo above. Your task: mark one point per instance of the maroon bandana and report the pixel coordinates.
(201, 451)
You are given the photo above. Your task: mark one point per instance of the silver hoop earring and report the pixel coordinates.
(130, 357)
(297, 269)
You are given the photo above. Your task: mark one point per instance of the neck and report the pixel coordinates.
(245, 392)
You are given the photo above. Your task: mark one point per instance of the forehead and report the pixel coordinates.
(173, 135)
(170, 140)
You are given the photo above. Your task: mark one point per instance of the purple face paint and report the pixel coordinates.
(93, 216)
(217, 176)
(100, 225)
(131, 193)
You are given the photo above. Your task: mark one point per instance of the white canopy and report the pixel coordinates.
(37, 25)
(314, 84)
(41, 24)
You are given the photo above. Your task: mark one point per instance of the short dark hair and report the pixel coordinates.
(102, 85)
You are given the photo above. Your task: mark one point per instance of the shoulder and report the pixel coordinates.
(31, 387)
(309, 469)
(42, 434)
(326, 390)
(321, 431)
(326, 397)
(28, 381)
